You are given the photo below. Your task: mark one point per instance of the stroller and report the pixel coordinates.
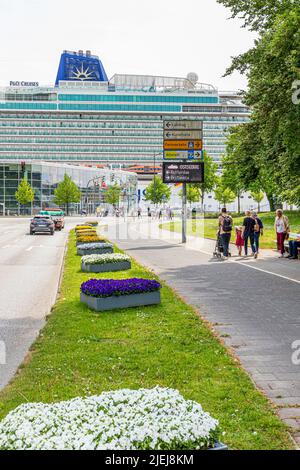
(218, 253)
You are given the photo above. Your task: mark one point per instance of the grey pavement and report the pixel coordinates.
(30, 268)
(253, 305)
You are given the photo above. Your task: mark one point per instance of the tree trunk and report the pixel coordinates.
(272, 202)
(202, 201)
(67, 208)
(239, 202)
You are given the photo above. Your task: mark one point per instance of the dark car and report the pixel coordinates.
(42, 224)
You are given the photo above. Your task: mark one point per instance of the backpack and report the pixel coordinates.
(227, 224)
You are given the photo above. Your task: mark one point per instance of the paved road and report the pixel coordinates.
(30, 269)
(254, 305)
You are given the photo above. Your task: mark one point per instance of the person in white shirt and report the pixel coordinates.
(282, 230)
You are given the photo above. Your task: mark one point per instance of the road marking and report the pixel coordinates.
(36, 246)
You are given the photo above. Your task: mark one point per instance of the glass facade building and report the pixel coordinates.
(118, 123)
(44, 177)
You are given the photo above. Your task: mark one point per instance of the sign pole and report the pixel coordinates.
(184, 213)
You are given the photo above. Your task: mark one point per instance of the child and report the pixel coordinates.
(239, 239)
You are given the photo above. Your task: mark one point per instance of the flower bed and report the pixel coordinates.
(86, 233)
(94, 248)
(83, 227)
(104, 259)
(156, 419)
(111, 294)
(93, 224)
(102, 288)
(89, 239)
(105, 263)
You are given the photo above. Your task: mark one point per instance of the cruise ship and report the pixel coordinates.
(86, 118)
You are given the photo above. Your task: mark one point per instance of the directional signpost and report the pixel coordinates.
(183, 140)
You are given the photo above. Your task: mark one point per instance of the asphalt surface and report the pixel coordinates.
(30, 268)
(253, 304)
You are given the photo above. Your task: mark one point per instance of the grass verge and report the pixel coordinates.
(81, 352)
(209, 227)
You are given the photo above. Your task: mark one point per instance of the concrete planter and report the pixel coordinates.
(95, 251)
(106, 267)
(122, 301)
(219, 446)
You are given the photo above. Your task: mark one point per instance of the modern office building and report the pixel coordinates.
(44, 177)
(86, 118)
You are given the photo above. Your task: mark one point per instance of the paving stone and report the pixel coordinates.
(261, 330)
(286, 413)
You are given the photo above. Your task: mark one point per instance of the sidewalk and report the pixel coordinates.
(253, 305)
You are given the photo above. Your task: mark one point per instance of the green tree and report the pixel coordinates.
(113, 194)
(224, 195)
(24, 194)
(157, 192)
(272, 69)
(210, 177)
(231, 179)
(67, 193)
(258, 15)
(193, 193)
(257, 197)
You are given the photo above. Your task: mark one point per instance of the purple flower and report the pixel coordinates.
(113, 287)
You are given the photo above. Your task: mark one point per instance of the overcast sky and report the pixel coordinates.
(156, 37)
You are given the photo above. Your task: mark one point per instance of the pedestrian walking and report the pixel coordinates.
(282, 228)
(258, 231)
(239, 241)
(248, 233)
(139, 213)
(149, 212)
(225, 229)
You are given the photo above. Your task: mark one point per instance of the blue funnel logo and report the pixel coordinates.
(80, 67)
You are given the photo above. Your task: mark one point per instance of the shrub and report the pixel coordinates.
(101, 288)
(156, 419)
(105, 259)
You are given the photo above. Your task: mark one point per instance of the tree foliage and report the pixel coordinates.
(193, 193)
(113, 194)
(265, 153)
(24, 194)
(258, 15)
(223, 194)
(157, 192)
(67, 193)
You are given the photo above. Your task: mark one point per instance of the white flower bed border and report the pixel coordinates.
(105, 259)
(156, 419)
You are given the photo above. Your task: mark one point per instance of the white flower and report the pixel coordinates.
(119, 420)
(105, 258)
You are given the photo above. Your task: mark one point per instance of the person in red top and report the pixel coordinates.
(239, 239)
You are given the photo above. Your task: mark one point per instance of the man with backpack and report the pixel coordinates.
(225, 227)
(248, 233)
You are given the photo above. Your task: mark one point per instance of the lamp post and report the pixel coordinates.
(156, 154)
(93, 180)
